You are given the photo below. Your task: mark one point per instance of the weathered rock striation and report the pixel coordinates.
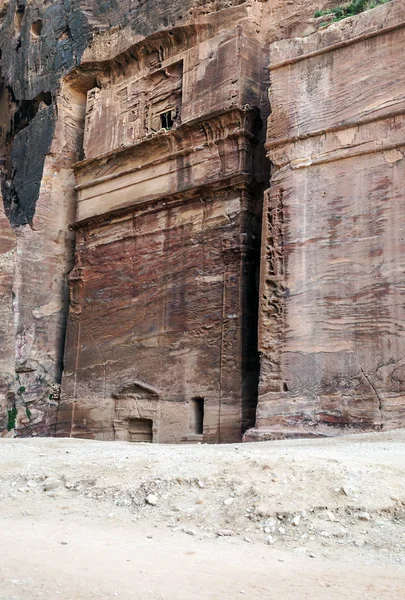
(133, 229)
(332, 296)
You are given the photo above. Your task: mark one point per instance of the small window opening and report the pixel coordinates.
(166, 120)
(285, 387)
(36, 28)
(198, 415)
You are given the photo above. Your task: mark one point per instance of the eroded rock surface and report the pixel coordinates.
(332, 306)
(133, 168)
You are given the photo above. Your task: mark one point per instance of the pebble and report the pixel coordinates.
(359, 543)
(225, 532)
(270, 540)
(296, 521)
(270, 526)
(364, 516)
(190, 531)
(348, 490)
(151, 499)
(64, 543)
(228, 501)
(50, 484)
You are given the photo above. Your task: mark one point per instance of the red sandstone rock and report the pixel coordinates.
(332, 306)
(156, 167)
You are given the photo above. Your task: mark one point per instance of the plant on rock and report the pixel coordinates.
(350, 9)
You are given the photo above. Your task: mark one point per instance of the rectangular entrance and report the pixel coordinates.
(197, 415)
(140, 430)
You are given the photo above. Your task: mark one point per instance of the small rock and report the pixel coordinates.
(359, 542)
(151, 499)
(225, 532)
(190, 531)
(296, 521)
(228, 501)
(247, 539)
(64, 543)
(201, 484)
(348, 490)
(270, 526)
(312, 555)
(364, 516)
(281, 530)
(50, 484)
(270, 540)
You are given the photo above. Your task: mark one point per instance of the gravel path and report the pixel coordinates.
(299, 518)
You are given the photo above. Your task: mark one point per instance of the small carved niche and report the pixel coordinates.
(163, 99)
(36, 29)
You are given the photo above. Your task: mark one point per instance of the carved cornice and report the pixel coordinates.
(233, 122)
(224, 186)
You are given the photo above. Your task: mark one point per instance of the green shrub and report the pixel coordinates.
(350, 9)
(11, 418)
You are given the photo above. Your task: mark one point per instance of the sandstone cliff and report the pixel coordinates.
(133, 170)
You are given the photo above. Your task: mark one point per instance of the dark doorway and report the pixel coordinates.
(166, 120)
(140, 430)
(197, 422)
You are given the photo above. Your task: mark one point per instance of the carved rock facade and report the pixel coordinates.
(133, 178)
(332, 298)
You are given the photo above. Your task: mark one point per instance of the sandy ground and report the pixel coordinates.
(298, 519)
